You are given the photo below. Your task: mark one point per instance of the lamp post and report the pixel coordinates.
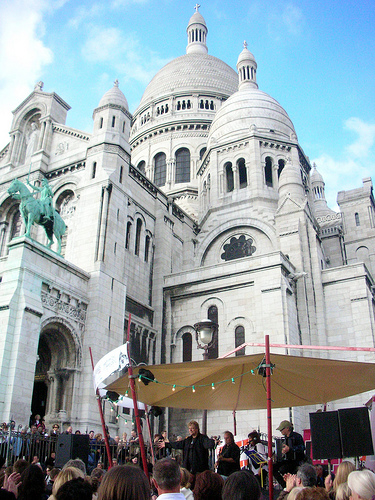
(206, 337)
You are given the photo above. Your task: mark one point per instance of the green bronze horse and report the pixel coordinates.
(32, 212)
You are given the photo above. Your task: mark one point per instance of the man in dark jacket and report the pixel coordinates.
(195, 449)
(228, 460)
(293, 452)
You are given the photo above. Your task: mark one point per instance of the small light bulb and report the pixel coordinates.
(193, 388)
(213, 386)
(233, 382)
(174, 387)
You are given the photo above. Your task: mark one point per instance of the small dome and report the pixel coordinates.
(114, 96)
(245, 55)
(197, 18)
(315, 176)
(250, 109)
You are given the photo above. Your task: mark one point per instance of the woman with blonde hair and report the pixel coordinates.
(342, 473)
(65, 475)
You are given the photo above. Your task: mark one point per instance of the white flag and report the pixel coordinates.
(113, 362)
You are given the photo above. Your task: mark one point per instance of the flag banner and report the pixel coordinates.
(113, 362)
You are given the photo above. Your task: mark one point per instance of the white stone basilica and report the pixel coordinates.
(202, 204)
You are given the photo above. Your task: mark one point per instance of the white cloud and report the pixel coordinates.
(23, 54)
(84, 14)
(285, 20)
(366, 137)
(123, 54)
(356, 162)
(292, 19)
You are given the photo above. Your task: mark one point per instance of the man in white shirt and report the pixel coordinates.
(166, 479)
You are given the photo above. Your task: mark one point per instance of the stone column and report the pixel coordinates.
(3, 228)
(41, 135)
(46, 133)
(103, 225)
(236, 181)
(16, 146)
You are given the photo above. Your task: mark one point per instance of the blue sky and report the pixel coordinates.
(315, 57)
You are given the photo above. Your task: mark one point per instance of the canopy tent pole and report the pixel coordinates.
(269, 417)
(102, 418)
(150, 435)
(135, 403)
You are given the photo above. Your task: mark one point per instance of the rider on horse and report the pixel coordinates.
(45, 198)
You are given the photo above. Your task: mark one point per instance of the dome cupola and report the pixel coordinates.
(247, 68)
(197, 34)
(114, 96)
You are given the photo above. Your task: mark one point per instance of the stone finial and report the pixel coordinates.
(39, 86)
(116, 83)
(245, 44)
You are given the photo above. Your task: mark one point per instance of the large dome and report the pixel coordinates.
(250, 109)
(192, 73)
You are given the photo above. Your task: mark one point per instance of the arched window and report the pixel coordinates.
(213, 315)
(201, 153)
(357, 221)
(121, 174)
(182, 165)
(242, 172)
(142, 166)
(93, 172)
(138, 236)
(187, 346)
(239, 339)
(160, 165)
(229, 177)
(113, 121)
(128, 232)
(268, 172)
(147, 247)
(101, 123)
(281, 166)
(16, 225)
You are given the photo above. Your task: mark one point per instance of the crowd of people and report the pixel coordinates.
(187, 475)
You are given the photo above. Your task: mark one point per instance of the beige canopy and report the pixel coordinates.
(234, 383)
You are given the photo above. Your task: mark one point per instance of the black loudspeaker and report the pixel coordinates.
(356, 438)
(71, 446)
(325, 435)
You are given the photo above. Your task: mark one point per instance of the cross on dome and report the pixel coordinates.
(115, 83)
(245, 44)
(196, 7)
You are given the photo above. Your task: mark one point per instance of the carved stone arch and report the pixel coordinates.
(31, 110)
(59, 359)
(63, 327)
(239, 321)
(139, 215)
(11, 223)
(239, 224)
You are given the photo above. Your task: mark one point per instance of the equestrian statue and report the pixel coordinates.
(39, 211)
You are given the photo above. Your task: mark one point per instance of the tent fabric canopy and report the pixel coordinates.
(229, 384)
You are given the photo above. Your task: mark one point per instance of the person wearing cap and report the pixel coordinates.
(293, 451)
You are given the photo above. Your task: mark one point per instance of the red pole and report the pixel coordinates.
(136, 412)
(102, 418)
(269, 418)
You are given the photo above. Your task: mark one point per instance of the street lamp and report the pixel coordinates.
(206, 337)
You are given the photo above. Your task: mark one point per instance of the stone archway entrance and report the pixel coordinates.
(54, 375)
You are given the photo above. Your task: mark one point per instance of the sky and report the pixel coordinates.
(316, 58)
